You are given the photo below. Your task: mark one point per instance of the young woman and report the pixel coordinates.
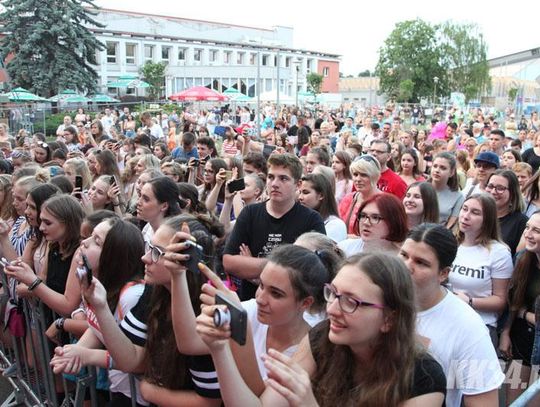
(147, 162)
(445, 183)
(408, 168)
(421, 204)
(453, 333)
(509, 158)
(99, 195)
(518, 335)
(173, 170)
(7, 211)
(523, 173)
(365, 354)
(161, 151)
(228, 149)
(41, 153)
(114, 252)
(78, 166)
(531, 193)
(316, 193)
(482, 268)
(211, 169)
(366, 172)
(381, 225)
(159, 199)
(106, 164)
(170, 378)
(341, 162)
(503, 185)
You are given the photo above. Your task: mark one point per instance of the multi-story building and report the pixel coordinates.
(216, 55)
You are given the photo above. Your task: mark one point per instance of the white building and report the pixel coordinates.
(215, 55)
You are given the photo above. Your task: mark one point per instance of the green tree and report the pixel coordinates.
(50, 43)
(365, 74)
(463, 52)
(411, 53)
(512, 94)
(314, 81)
(406, 89)
(154, 74)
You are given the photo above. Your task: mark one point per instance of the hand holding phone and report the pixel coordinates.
(236, 185)
(234, 315)
(84, 271)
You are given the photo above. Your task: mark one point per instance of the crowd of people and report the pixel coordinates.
(371, 260)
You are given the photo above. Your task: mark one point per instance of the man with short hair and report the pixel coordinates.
(61, 128)
(385, 134)
(496, 141)
(188, 149)
(263, 226)
(107, 122)
(389, 181)
(254, 163)
(206, 147)
(485, 163)
(151, 128)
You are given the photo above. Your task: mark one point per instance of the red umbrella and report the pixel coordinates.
(198, 93)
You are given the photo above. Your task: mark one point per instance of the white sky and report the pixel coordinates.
(356, 30)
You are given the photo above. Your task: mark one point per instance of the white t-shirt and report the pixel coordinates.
(351, 246)
(335, 228)
(474, 268)
(460, 342)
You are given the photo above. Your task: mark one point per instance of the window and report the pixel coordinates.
(111, 52)
(182, 54)
(240, 58)
(276, 60)
(265, 59)
(213, 55)
(130, 53)
(149, 52)
(165, 53)
(197, 55)
(287, 62)
(309, 63)
(227, 57)
(253, 59)
(325, 71)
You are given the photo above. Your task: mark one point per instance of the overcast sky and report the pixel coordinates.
(356, 30)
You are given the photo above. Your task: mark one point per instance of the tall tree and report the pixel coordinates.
(464, 55)
(410, 53)
(314, 82)
(50, 45)
(154, 74)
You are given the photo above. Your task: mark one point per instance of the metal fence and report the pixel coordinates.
(25, 361)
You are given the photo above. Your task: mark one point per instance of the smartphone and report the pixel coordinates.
(228, 175)
(78, 182)
(112, 180)
(236, 185)
(84, 271)
(234, 315)
(195, 252)
(268, 149)
(4, 262)
(196, 162)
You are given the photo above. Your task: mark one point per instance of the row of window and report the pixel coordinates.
(182, 55)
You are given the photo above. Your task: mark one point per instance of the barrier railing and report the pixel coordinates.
(26, 362)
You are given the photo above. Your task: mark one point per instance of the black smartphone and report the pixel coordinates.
(236, 185)
(84, 271)
(268, 149)
(112, 180)
(195, 252)
(196, 162)
(234, 315)
(78, 182)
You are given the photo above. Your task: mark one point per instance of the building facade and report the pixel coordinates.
(203, 53)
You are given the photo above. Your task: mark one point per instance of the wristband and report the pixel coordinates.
(36, 282)
(59, 323)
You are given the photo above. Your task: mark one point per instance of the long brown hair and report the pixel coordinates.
(490, 224)
(386, 381)
(521, 278)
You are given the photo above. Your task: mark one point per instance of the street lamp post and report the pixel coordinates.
(435, 81)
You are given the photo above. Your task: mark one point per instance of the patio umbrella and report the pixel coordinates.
(69, 96)
(128, 81)
(232, 92)
(101, 98)
(198, 94)
(23, 95)
(305, 94)
(242, 98)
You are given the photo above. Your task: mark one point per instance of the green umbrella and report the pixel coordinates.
(128, 81)
(306, 94)
(232, 92)
(23, 95)
(69, 96)
(242, 98)
(101, 98)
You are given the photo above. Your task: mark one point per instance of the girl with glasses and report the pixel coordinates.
(364, 354)
(381, 224)
(450, 329)
(503, 185)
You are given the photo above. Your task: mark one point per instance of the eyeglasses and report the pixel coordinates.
(373, 219)
(155, 252)
(347, 303)
(499, 188)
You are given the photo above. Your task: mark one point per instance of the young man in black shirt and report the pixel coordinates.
(261, 227)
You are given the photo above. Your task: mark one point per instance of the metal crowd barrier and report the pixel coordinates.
(532, 391)
(33, 381)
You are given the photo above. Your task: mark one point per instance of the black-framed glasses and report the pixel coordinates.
(498, 188)
(373, 219)
(347, 303)
(155, 252)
